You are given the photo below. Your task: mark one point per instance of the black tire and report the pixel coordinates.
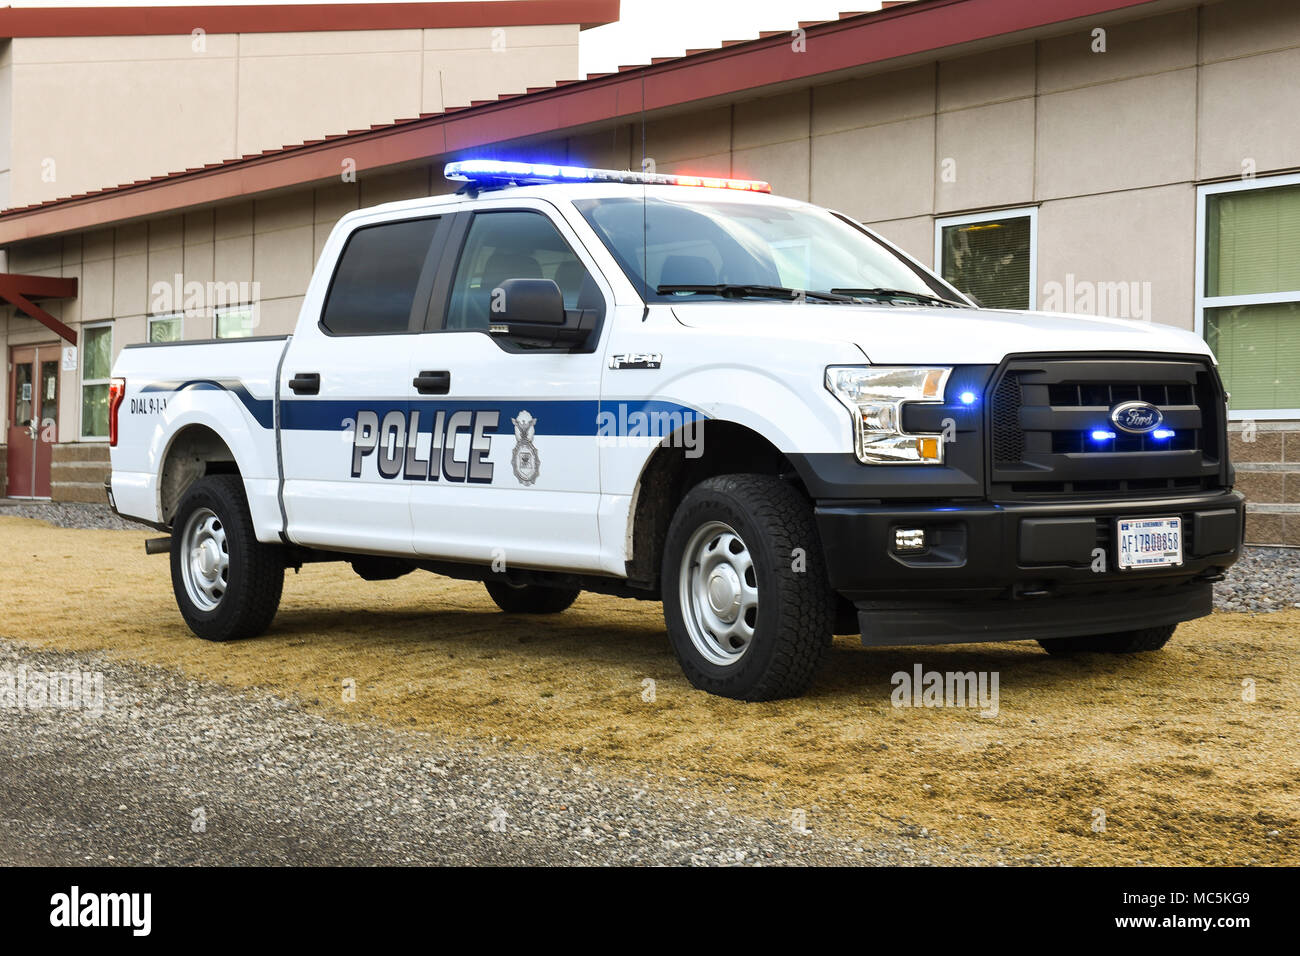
(254, 577)
(792, 620)
(1122, 642)
(530, 598)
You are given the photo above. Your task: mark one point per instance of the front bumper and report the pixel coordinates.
(1009, 571)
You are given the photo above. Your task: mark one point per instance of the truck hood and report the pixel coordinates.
(899, 335)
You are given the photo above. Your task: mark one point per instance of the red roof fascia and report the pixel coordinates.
(918, 27)
(298, 18)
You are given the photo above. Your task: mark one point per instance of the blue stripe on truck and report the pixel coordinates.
(262, 409)
(554, 416)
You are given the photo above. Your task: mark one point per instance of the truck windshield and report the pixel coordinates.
(715, 248)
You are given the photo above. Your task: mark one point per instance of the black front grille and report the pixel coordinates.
(1008, 439)
(1075, 395)
(1051, 434)
(1074, 441)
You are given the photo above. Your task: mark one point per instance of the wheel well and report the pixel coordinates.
(196, 451)
(718, 448)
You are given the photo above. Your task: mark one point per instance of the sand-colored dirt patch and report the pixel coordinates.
(1184, 769)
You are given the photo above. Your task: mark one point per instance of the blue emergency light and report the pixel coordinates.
(486, 173)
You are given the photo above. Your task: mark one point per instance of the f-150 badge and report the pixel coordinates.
(524, 459)
(649, 360)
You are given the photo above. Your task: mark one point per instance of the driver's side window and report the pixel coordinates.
(513, 244)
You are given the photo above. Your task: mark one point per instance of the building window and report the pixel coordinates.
(96, 367)
(1248, 291)
(166, 328)
(235, 321)
(992, 256)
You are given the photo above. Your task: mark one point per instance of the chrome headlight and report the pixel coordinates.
(875, 397)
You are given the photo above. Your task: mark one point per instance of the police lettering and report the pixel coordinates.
(393, 441)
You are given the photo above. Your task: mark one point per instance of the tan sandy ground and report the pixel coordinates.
(1184, 769)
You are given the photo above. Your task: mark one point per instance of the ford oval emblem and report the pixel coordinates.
(1136, 418)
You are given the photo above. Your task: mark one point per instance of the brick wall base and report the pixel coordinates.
(1267, 458)
(4, 470)
(78, 470)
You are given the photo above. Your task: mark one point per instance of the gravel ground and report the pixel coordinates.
(1265, 579)
(272, 784)
(69, 515)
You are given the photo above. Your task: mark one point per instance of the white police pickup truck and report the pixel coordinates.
(753, 409)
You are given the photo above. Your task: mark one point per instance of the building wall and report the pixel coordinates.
(6, 118)
(91, 112)
(1108, 146)
(267, 247)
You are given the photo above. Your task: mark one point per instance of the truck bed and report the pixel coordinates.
(192, 392)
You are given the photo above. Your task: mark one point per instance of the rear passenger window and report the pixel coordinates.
(377, 287)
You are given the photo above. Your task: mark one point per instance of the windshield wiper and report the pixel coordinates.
(899, 294)
(733, 290)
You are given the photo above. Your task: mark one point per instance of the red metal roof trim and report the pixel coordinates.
(298, 18)
(917, 27)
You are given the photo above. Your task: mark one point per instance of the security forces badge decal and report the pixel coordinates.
(524, 459)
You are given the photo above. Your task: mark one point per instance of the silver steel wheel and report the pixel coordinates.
(718, 593)
(205, 559)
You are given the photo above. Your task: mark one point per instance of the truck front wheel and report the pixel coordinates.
(745, 593)
(227, 583)
(1121, 642)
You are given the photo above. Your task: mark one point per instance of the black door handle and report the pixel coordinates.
(305, 383)
(432, 383)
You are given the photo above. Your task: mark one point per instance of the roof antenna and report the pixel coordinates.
(645, 229)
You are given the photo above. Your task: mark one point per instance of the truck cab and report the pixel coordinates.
(753, 409)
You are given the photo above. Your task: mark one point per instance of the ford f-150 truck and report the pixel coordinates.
(750, 408)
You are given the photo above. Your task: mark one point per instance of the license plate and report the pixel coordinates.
(1149, 542)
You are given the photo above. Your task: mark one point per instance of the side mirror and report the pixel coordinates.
(527, 303)
(533, 310)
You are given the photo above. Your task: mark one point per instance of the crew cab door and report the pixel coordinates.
(345, 386)
(515, 479)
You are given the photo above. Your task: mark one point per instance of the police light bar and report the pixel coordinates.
(490, 172)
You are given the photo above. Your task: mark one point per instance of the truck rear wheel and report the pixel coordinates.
(1122, 642)
(745, 594)
(227, 583)
(530, 598)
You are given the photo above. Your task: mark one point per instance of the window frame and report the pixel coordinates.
(993, 215)
(458, 241)
(425, 285)
(1203, 302)
(83, 381)
(164, 317)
